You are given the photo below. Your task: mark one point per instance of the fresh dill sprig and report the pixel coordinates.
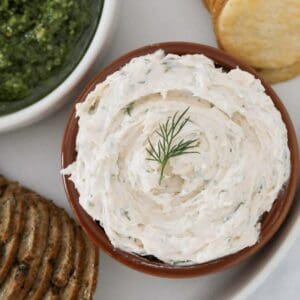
(166, 148)
(128, 109)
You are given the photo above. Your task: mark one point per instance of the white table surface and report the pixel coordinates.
(32, 155)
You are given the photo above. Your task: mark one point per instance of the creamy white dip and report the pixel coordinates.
(209, 203)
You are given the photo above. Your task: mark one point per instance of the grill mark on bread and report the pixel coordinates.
(65, 260)
(71, 290)
(10, 248)
(43, 279)
(90, 273)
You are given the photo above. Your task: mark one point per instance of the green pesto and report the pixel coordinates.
(41, 42)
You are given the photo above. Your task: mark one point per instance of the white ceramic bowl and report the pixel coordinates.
(59, 96)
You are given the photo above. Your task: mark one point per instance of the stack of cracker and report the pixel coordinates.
(264, 34)
(44, 254)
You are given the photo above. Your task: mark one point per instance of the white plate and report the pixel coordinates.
(32, 155)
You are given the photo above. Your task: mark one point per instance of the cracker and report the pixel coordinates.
(264, 34)
(280, 74)
(217, 6)
(208, 4)
(215, 12)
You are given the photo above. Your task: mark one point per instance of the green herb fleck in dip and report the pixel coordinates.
(41, 41)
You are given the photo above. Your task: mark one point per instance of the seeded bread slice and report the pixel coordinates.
(43, 279)
(31, 250)
(65, 261)
(10, 248)
(16, 277)
(71, 290)
(44, 254)
(90, 274)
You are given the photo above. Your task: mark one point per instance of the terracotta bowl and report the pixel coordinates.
(271, 221)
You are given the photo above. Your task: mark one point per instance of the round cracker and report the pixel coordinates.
(209, 4)
(264, 34)
(280, 74)
(217, 6)
(206, 3)
(216, 9)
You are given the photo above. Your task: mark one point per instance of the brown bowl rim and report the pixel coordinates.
(271, 221)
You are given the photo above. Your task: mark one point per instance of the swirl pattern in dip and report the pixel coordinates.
(209, 203)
